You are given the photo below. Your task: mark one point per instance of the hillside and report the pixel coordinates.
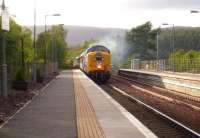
(78, 34)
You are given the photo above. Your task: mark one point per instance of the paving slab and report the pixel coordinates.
(50, 115)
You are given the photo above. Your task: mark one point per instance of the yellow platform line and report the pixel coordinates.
(87, 123)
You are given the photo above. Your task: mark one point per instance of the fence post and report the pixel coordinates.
(136, 64)
(131, 63)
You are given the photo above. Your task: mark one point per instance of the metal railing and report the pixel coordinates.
(173, 65)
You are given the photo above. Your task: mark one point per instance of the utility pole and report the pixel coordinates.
(46, 48)
(22, 53)
(5, 28)
(56, 58)
(172, 40)
(53, 47)
(34, 46)
(46, 52)
(157, 46)
(54, 53)
(173, 48)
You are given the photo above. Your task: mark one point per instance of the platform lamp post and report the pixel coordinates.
(55, 52)
(46, 48)
(57, 14)
(157, 47)
(194, 11)
(173, 42)
(5, 28)
(34, 46)
(157, 42)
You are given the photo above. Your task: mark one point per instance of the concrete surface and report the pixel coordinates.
(113, 122)
(50, 115)
(184, 83)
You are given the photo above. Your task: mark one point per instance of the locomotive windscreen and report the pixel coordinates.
(98, 48)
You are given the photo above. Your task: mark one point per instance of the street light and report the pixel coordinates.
(54, 52)
(173, 28)
(57, 14)
(34, 46)
(157, 46)
(157, 43)
(173, 42)
(5, 28)
(13, 15)
(157, 40)
(46, 50)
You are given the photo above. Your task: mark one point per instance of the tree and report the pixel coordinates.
(14, 39)
(75, 51)
(56, 44)
(142, 41)
(186, 38)
(58, 40)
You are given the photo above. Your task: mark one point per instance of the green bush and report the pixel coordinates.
(185, 61)
(20, 75)
(39, 76)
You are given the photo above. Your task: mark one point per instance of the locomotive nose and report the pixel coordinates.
(99, 60)
(99, 56)
(99, 65)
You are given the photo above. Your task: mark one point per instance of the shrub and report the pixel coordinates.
(39, 77)
(185, 61)
(20, 75)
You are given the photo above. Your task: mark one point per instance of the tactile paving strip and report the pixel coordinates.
(87, 123)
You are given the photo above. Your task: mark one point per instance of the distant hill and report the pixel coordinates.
(78, 34)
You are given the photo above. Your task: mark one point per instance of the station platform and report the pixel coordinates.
(184, 83)
(73, 106)
(186, 76)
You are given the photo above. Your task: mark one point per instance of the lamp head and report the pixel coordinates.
(194, 11)
(3, 5)
(56, 14)
(165, 24)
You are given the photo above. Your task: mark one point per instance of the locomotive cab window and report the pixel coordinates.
(98, 48)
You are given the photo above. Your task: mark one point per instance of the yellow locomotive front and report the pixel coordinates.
(97, 62)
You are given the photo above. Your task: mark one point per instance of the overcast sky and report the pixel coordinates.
(107, 13)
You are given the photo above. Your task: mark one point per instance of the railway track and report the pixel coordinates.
(171, 96)
(158, 122)
(174, 93)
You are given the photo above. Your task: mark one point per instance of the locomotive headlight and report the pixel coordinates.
(98, 66)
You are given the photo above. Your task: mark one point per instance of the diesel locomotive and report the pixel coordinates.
(96, 62)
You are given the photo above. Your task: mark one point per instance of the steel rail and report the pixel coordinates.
(156, 111)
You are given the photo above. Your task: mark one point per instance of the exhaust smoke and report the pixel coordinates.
(118, 47)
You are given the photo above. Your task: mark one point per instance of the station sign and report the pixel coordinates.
(5, 20)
